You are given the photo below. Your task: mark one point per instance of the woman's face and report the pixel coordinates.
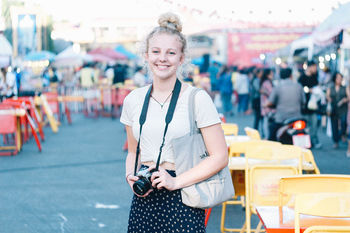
(270, 76)
(164, 55)
(338, 79)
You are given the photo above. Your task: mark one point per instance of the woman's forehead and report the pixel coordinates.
(164, 40)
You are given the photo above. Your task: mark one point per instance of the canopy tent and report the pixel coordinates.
(121, 49)
(100, 58)
(332, 26)
(107, 53)
(305, 42)
(39, 56)
(70, 58)
(197, 61)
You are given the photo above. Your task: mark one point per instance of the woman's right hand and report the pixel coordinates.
(131, 179)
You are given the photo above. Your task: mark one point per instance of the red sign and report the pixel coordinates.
(245, 48)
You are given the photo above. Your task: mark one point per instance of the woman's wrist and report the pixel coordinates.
(127, 175)
(178, 183)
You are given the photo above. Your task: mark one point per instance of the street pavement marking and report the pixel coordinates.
(64, 221)
(101, 225)
(103, 206)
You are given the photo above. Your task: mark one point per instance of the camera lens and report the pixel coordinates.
(141, 186)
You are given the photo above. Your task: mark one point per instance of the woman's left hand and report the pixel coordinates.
(162, 179)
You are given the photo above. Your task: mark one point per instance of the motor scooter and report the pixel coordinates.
(294, 131)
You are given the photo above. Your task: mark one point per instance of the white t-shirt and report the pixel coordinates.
(153, 129)
(242, 84)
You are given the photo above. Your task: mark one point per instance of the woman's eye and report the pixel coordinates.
(155, 51)
(172, 53)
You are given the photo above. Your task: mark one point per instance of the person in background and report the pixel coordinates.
(119, 74)
(11, 86)
(266, 87)
(2, 83)
(338, 98)
(226, 88)
(214, 78)
(139, 77)
(18, 78)
(308, 81)
(255, 91)
(325, 77)
(287, 98)
(242, 88)
(46, 79)
(189, 78)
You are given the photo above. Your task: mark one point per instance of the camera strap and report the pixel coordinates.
(168, 118)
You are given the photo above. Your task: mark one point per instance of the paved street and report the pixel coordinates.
(77, 184)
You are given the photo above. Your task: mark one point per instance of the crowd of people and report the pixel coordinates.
(276, 95)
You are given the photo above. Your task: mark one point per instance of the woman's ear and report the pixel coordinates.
(182, 58)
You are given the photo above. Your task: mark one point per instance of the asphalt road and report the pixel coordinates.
(77, 185)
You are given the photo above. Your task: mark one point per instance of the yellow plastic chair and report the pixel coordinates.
(239, 148)
(252, 133)
(230, 129)
(289, 153)
(328, 229)
(291, 186)
(330, 205)
(262, 188)
(308, 159)
(264, 177)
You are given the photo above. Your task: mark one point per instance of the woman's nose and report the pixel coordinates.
(163, 57)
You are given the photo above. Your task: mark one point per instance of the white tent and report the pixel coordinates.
(70, 58)
(332, 26)
(305, 42)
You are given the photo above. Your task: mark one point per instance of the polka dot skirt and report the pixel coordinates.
(163, 211)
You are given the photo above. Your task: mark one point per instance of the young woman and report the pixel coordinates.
(337, 96)
(161, 208)
(266, 87)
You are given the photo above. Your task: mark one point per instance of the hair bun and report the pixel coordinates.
(170, 20)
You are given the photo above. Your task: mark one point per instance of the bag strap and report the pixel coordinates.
(168, 118)
(191, 111)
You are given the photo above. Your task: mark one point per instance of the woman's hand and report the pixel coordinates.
(162, 179)
(131, 179)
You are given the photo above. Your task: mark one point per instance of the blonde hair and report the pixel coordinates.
(170, 23)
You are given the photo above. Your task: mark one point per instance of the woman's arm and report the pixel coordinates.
(130, 159)
(215, 143)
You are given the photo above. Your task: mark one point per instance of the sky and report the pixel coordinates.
(300, 11)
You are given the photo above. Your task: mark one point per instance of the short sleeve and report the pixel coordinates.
(126, 116)
(205, 110)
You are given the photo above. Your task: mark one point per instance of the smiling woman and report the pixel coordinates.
(157, 205)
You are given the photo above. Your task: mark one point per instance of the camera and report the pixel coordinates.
(143, 184)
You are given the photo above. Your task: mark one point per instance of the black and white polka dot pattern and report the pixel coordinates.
(163, 211)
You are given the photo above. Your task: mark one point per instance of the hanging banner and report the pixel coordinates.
(244, 48)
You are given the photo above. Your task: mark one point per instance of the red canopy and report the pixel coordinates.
(107, 52)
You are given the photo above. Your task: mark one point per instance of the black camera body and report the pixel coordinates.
(143, 184)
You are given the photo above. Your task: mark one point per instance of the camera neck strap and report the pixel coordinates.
(168, 118)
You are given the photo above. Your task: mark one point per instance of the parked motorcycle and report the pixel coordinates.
(294, 132)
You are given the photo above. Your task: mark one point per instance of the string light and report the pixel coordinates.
(219, 15)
